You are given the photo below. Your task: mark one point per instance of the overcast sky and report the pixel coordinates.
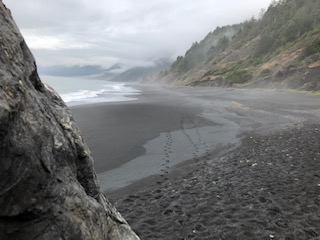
(130, 32)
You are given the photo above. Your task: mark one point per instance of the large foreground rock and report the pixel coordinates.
(48, 188)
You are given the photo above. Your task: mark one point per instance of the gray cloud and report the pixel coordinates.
(130, 32)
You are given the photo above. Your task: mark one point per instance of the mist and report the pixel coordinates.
(104, 33)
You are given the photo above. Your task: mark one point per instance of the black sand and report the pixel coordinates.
(266, 188)
(269, 188)
(116, 132)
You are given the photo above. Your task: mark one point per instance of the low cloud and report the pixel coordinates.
(98, 32)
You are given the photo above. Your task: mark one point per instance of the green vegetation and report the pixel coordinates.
(265, 72)
(239, 76)
(313, 48)
(212, 44)
(281, 47)
(286, 21)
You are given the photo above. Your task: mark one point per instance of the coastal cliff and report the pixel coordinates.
(280, 49)
(48, 187)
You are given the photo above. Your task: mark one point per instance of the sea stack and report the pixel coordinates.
(48, 187)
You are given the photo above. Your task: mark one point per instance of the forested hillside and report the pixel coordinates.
(281, 49)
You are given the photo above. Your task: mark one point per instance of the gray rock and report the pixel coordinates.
(48, 187)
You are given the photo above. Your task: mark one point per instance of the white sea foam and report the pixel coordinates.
(78, 91)
(80, 95)
(110, 93)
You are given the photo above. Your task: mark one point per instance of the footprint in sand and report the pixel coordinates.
(183, 124)
(167, 155)
(196, 142)
(195, 139)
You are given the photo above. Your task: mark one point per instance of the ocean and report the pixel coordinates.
(80, 91)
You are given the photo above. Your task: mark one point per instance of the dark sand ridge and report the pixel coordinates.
(181, 203)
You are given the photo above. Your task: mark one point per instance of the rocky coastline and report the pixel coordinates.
(48, 189)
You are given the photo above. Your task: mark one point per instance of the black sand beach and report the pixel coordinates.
(117, 131)
(269, 188)
(231, 165)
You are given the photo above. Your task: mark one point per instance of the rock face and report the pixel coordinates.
(48, 187)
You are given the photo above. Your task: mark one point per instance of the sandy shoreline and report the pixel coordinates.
(167, 161)
(266, 189)
(116, 132)
(134, 140)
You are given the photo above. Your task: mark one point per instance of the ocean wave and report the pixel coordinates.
(109, 93)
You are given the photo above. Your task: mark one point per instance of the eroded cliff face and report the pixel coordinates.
(48, 187)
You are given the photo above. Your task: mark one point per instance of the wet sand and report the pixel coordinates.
(199, 163)
(269, 188)
(117, 132)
